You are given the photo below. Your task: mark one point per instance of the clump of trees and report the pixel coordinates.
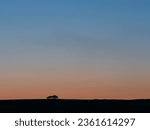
(52, 97)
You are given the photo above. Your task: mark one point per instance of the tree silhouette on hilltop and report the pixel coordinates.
(52, 97)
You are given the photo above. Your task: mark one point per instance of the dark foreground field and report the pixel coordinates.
(73, 106)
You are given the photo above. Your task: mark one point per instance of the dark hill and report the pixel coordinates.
(73, 106)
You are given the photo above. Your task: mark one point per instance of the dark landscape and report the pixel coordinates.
(74, 106)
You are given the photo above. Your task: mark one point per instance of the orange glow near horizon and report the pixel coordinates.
(74, 85)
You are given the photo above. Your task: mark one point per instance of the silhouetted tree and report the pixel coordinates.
(52, 97)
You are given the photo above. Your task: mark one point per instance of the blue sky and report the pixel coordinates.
(82, 26)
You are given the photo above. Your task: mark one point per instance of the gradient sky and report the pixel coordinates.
(75, 48)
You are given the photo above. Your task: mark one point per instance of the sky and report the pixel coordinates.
(85, 49)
